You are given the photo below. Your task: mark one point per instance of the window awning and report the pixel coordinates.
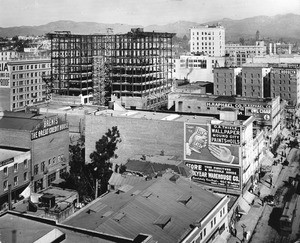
(249, 197)
(243, 207)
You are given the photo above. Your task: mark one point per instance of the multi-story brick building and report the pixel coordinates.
(196, 67)
(256, 81)
(267, 112)
(227, 81)
(139, 128)
(208, 39)
(8, 54)
(237, 54)
(21, 82)
(47, 138)
(15, 172)
(285, 82)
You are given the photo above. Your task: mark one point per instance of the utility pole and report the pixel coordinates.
(96, 189)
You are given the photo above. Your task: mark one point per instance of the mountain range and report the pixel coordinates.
(284, 27)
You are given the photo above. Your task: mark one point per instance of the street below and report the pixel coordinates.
(267, 229)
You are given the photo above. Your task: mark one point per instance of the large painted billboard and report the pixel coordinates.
(259, 111)
(4, 75)
(49, 126)
(217, 144)
(225, 134)
(219, 176)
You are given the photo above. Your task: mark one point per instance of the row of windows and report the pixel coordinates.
(252, 81)
(204, 38)
(8, 53)
(252, 75)
(206, 33)
(224, 93)
(225, 87)
(282, 81)
(53, 160)
(284, 95)
(27, 75)
(27, 89)
(283, 88)
(27, 82)
(16, 166)
(252, 94)
(224, 74)
(224, 80)
(23, 103)
(30, 67)
(212, 223)
(16, 181)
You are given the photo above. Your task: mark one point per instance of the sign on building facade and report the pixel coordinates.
(220, 176)
(4, 75)
(50, 125)
(212, 151)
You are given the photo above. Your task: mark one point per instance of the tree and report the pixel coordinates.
(15, 38)
(122, 169)
(100, 159)
(79, 177)
(242, 41)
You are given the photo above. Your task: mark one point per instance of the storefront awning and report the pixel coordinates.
(285, 132)
(243, 207)
(249, 197)
(34, 197)
(267, 161)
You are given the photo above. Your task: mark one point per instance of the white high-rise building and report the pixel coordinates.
(208, 39)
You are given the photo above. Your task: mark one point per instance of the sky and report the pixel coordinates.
(137, 12)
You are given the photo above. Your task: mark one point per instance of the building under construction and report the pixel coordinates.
(133, 69)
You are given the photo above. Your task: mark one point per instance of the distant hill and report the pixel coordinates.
(62, 25)
(276, 27)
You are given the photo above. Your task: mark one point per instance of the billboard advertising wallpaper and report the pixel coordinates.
(217, 144)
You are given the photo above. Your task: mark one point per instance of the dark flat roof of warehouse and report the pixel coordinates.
(29, 229)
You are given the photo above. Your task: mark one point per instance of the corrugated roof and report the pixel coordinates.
(118, 180)
(148, 168)
(133, 214)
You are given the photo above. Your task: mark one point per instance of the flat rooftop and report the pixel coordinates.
(216, 98)
(148, 115)
(9, 153)
(18, 228)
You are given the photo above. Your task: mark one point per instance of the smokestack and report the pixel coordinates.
(270, 48)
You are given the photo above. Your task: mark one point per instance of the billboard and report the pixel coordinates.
(205, 144)
(49, 126)
(219, 176)
(4, 75)
(225, 134)
(259, 111)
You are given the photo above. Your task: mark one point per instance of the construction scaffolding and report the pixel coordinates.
(135, 68)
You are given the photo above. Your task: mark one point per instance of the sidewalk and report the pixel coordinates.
(251, 219)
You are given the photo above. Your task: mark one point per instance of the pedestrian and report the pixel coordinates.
(262, 202)
(271, 181)
(258, 194)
